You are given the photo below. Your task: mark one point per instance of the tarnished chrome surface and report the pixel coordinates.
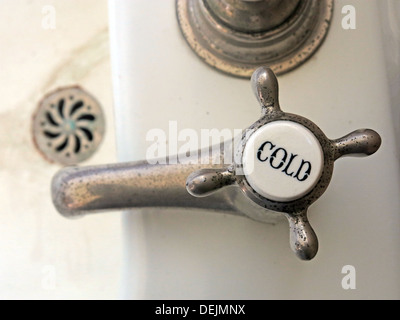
(236, 36)
(303, 239)
(77, 191)
(220, 188)
(252, 16)
(68, 126)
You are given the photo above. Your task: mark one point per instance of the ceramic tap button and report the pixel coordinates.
(282, 161)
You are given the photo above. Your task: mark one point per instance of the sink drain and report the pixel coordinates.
(68, 126)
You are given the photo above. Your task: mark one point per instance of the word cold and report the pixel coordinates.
(279, 158)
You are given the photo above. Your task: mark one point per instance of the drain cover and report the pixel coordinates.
(68, 126)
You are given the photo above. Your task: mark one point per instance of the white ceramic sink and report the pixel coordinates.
(352, 82)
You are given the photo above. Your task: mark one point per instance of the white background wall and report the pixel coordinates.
(43, 255)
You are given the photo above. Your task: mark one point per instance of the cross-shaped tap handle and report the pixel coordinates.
(284, 163)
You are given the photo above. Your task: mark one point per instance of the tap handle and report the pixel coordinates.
(285, 163)
(266, 89)
(207, 181)
(303, 240)
(361, 143)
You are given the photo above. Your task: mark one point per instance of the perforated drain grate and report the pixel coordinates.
(68, 126)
